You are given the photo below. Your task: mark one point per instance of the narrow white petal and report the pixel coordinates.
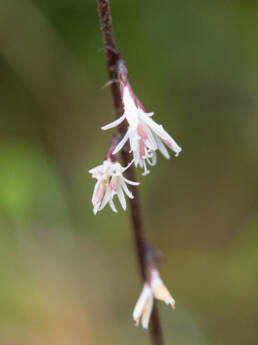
(126, 190)
(150, 142)
(131, 110)
(114, 123)
(141, 302)
(121, 143)
(147, 312)
(177, 149)
(93, 200)
(133, 183)
(124, 169)
(160, 131)
(137, 158)
(162, 148)
(149, 114)
(112, 205)
(107, 197)
(121, 197)
(174, 146)
(92, 171)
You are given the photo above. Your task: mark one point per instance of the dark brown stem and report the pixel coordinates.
(113, 59)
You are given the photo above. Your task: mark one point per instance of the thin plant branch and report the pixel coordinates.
(113, 57)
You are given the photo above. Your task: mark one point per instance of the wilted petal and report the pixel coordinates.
(159, 289)
(162, 293)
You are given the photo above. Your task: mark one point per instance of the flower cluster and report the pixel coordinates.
(154, 288)
(110, 182)
(145, 136)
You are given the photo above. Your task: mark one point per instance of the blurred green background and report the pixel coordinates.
(69, 277)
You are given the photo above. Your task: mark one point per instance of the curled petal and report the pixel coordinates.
(146, 171)
(133, 183)
(114, 123)
(152, 160)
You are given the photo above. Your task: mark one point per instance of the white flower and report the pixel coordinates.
(144, 134)
(153, 289)
(110, 182)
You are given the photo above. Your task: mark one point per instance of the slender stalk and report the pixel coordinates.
(113, 57)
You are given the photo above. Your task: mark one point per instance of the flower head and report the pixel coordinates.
(154, 288)
(110, 182)
(144, 134)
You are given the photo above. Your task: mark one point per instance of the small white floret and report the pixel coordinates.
(155, 288)
(144, 134)
(110, 182)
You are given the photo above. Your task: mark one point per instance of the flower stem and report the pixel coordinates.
(113, 57)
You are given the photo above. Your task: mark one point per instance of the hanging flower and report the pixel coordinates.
(110, 182)
(144, 134)
(154, 288)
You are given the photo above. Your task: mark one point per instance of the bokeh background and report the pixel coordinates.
(69, 277)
